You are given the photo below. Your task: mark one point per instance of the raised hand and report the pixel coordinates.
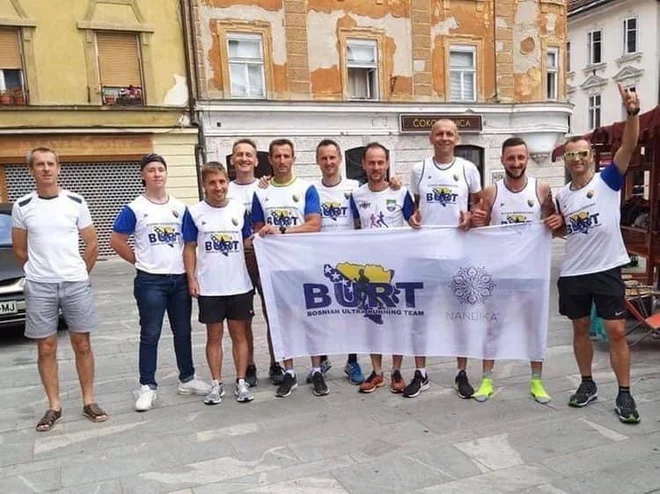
(479, 214)
(629, 99)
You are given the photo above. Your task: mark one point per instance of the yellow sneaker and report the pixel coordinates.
(485, 390)
(537, 390)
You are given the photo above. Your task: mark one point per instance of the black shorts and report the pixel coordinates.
(605, 289)
(215, 309)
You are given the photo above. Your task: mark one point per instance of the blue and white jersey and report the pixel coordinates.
(385, 209)
(592, 216)
(156, 229)
(219, 233)
(285, 205)
(336, 204)
(243, 193)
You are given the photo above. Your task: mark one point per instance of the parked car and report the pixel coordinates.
(12, 281)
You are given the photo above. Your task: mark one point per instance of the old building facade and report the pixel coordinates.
(103, 82)
(363, 70)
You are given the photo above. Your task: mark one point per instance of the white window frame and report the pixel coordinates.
(625, 35)
(552, 72)
(465, 72)
(234, 36)
(590, 46)
(371, 68)
(594, 108)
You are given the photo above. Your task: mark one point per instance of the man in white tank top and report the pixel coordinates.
(515, 199)
(444, 186)
(595, 252)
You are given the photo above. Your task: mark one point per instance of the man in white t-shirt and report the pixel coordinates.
(154, 220)
(445, 187)
(242, 188)
(288, 205)
(377, 205)
(591, 271)
(46, 226)
(214, 231)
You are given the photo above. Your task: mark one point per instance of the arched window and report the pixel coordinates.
(263, 166)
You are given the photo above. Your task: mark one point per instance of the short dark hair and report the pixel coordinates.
(41, 149)
(327, 142)
(211, 168)
(574, 139)
(512, 142)
(375, 145)
(150, 158)
(280, 142)
(244, 140)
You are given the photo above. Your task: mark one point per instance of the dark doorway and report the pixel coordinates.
(354, 170)
(475, 154)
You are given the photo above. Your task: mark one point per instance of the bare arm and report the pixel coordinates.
(91, 252)
(547, 204)
(481, 211)
(466, 216)
(312, 224)
(190, 263)
(630, 131)
(19, 245)
(119, 243)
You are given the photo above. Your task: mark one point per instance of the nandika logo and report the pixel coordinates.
(514, 219)
(472, 285)
(334, 210)
(281, 217)
(443, 196)
(581, 222)
(221, 243)
(367, 289)
(164, 234)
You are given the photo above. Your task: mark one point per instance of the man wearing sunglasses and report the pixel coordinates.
(595, 252)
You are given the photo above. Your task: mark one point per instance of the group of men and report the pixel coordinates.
(205, 252)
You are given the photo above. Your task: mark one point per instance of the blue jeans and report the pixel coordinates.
(155, 294)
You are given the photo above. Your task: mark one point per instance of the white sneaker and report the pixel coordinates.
(242, 392)
(193, 387)
(214, 396)
(146, 398)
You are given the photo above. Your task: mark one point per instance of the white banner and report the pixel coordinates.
(436, 291)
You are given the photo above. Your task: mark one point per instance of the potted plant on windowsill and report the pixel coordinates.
(5, 98)
(19, 97)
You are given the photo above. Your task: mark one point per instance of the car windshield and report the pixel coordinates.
(5, 230)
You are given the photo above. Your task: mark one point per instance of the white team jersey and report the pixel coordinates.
(244, 193)
(510, 207)
(52, 235)
(593, 237)
(219, 234)
(444, 191)
(285, 205)
(385, 209)
(336, 204)
(157, 232)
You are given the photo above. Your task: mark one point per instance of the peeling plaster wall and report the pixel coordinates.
(527, 73)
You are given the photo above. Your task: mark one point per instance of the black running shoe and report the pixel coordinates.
(288, 384)
(627, 409)
(320, 387)
(585, 394)
(416, 386)
(276, 373)
(463, 386)
(251, 375)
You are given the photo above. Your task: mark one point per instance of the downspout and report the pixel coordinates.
(497, 88)
(192, 79)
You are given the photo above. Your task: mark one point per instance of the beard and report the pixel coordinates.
(520, 173)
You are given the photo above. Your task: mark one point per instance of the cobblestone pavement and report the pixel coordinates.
(343, 442)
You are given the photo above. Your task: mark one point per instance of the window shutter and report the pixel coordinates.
(10, 51)
(119, 59)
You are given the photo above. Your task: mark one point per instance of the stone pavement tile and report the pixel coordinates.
(29, 467)
(16, 447)
(511, 479)
(43, 480)
(306, 485)
(447, 460)
(106, 487)
(395, 475)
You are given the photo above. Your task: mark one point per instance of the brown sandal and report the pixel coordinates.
(94, 413)
(49, 419)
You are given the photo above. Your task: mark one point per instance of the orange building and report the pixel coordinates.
(363, 70)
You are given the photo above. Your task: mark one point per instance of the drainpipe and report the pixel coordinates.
(191, 76)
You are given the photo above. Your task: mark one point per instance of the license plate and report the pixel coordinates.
(8, 307)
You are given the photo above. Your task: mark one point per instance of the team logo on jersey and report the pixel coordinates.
(390, 204)
(455, 177)
(281, 217)
(443, 196)
(234, 221)
(472, 285)
(164, 234)
(512, 219)
(590, 194)
(378, 221)
(364, 204)
(222, 243)
(347, 195)
(366, 289)
(582, 222)
(333, 210)
(530, 203)
(295, 198)
(175, 213)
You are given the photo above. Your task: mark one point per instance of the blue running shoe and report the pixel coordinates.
(354, 372)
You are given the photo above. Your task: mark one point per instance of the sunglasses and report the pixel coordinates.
(576, 155)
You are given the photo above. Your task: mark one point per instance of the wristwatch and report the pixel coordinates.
(634, 112)
(283, 229)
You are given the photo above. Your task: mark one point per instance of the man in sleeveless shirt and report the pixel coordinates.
(516, 199)
(444, 186)
(591, 272)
